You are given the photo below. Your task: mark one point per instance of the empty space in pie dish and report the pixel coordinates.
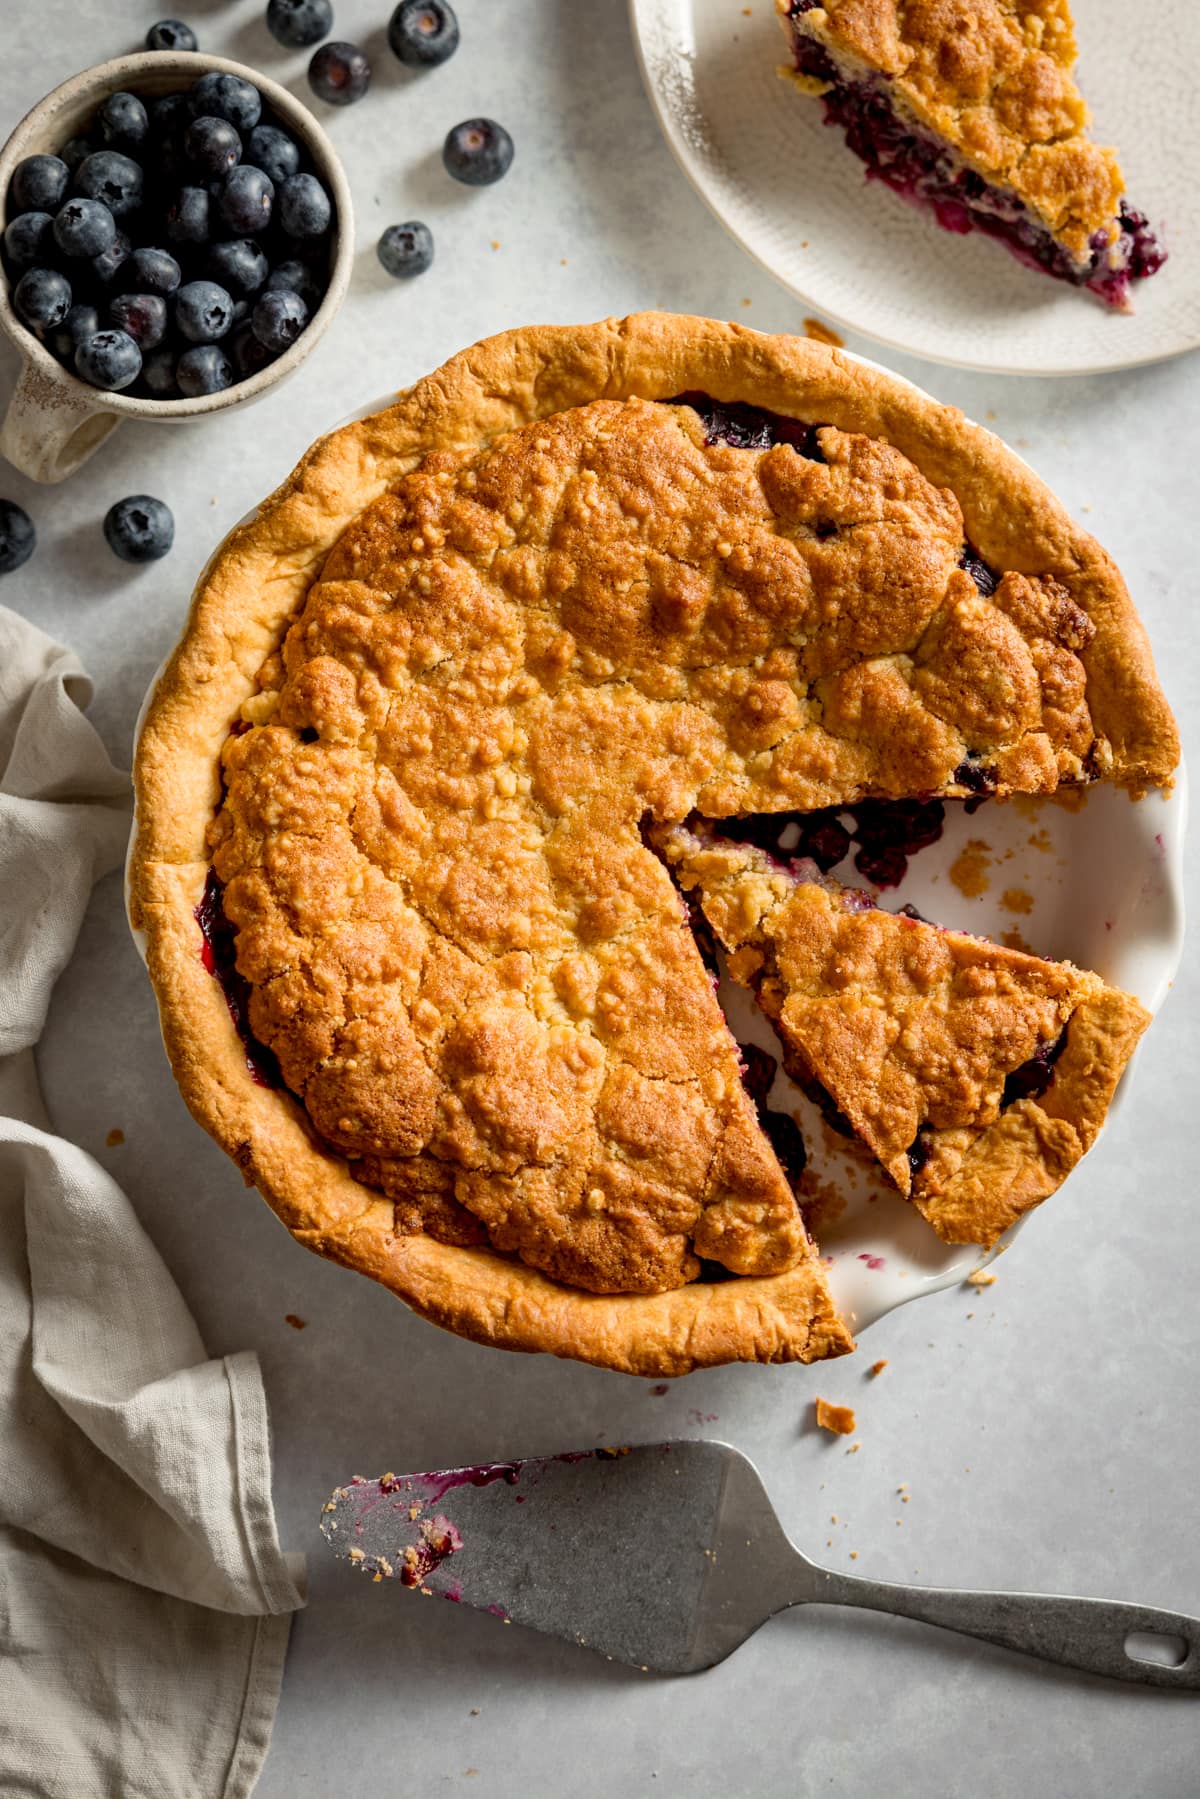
(787, 188)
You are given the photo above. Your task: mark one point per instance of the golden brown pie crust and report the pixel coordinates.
(259, 581)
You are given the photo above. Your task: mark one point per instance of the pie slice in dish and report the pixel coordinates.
(976, 1075)
(970, 110)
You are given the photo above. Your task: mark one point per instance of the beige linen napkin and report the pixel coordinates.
(144, 1600)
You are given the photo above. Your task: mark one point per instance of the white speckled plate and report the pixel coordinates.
(787, 188)
(1100, 884)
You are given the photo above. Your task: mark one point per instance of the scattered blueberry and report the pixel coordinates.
(171, 34)
(39, 184)
(246, 200)
(82, 321)
(299, 23)
(29, 239)
(278, 320)
(406, 250)
(111, 360)
(158, 374)
(203, 311)
(212, 146)
(239, 267)
(478, 152)
(305, 209)
(423, 33)
(75, 150)
(274, 152)
(123, 121)
(139, 529)
(42, 299)
(143, 316)
(108, 265)
(18, 539)
(113, 179)
(248, 352)
(295, 278)
(204, 370)
(226, 97)
(151, 271)
(188, 220)
(339, 74)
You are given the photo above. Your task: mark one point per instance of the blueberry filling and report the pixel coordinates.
(975, 776)
(818, 836)
(927, 172)
(889, 832)
(919, 1151)
(780, 1128)
(1032, 1078)
(984, 576)
(219, 955)
(743, 427)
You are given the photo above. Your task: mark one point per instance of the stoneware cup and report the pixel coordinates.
(54, 420)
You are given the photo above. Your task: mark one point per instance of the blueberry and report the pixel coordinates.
(212, 146)
(111, 360)
(204, 370)
(84, 228)
(29, 239)
(143, 316)
(339, 74)
(296, 278)
(226, 97)
(168, 115)
(274, 152)
(42, 298)
(123, 121)
(158, 374)
(75, 150)
(305, 209)
(248, 352)
(298, 23)
(151, 271)
(246, 200)
(278, 320)
(18, 539)
(39, 184)
(82, 321)
(139, 529)
(114, 179)
(423, 33)
(203, 311)
(478, 152)
(240, 267)
(108, 265)
(406, 250)
(188, 219)
(171, 34)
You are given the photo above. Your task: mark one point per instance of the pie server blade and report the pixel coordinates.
(669, 1555)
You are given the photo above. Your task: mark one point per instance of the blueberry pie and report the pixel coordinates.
(976, 1075)
(968, 108)
(423, 969)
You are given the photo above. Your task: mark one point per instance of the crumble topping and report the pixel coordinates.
(469, 967)
(836, 1418)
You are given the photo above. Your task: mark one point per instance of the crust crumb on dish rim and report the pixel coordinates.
(398, 784)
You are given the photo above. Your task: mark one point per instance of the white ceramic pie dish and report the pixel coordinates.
(788, 190)
(1099, 883)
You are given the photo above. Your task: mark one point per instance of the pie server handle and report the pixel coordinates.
(1137, 1643)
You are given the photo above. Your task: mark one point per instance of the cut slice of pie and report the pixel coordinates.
(976, 1075)
(968, 108)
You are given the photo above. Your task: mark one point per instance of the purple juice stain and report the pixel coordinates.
(873, 1262)
(218, 954)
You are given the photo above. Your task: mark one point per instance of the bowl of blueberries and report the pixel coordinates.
(178, 234)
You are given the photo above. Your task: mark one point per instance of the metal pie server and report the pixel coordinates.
(669, 1555)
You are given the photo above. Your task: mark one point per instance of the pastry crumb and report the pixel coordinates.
(115, 1138)
(836, 1418)
(1040, 840)
(877, 1367)
(297, 1323)
(980, 1277)
(1015, 939)
(854, 1555)
(1016, 899)
(854, 1448)
(823, 334)
(969, 869)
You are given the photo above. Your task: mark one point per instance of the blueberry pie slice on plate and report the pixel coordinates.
(968, 108)
(421, 968)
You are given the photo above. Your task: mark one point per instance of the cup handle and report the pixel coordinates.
(49, 430)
